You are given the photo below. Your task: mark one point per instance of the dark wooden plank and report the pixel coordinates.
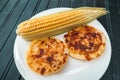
(12, 36)
(42, 6)
(6, 58)
(3, 4)
(28, 12)
(116, 63)
(65, 3)
(59, 3)
(89, 3)
(11, 21)
(13, 73)
(36, 7)
(118, 6)
(6, 12)
(53, 4)
(100, 3)
(8, 72)
(76, 3)
(6, 51)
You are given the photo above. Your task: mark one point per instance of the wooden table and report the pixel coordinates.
(12, 12)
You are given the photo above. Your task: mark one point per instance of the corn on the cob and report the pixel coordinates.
(58, 22)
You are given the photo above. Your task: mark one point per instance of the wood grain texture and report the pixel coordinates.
(3, 4)
(12, 12)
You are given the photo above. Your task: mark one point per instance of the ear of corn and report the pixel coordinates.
(58, 22)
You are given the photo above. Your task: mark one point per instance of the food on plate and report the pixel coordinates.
(47, 56)
(85, 42)
(56, 23)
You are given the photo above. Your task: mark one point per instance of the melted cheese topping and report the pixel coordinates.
(46, 56)
(85, 42)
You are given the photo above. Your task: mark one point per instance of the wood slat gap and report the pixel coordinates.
(4, 5)
(36, 7)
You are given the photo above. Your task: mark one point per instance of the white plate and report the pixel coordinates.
(74, 69)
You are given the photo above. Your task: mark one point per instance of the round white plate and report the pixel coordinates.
(74, 69)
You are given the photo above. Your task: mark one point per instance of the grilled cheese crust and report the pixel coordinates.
(47, 56)
(85, 42)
